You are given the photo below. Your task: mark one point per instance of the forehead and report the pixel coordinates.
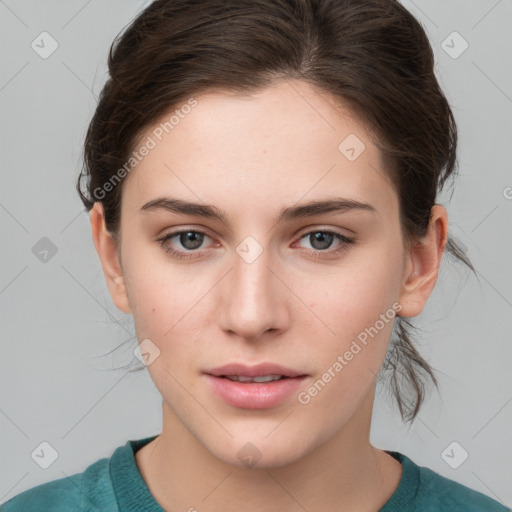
(259, 152)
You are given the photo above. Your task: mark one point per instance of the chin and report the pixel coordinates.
(253, 452)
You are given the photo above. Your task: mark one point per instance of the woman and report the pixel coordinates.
(262, 180)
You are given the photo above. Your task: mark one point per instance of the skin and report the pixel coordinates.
(251, 156)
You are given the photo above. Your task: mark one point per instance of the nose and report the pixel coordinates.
(254, 299)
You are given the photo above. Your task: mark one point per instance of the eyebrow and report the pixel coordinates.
(334, 205)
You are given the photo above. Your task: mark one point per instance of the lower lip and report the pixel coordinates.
(254, 395)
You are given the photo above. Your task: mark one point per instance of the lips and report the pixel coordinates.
(261, 386)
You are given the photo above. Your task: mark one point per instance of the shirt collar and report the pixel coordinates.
(407, 489)
(132, 493)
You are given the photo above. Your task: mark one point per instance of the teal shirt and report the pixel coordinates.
(115, 485)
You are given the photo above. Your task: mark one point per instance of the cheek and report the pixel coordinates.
(349, 361)
(357, 308)
(167, 309)
(161, 296)
(349, 299)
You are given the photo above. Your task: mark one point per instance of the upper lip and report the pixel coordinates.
(258, 370)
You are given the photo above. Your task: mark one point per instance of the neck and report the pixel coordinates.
(343, 473)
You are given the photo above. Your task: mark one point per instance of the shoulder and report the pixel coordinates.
(438, 493)
(89, 490)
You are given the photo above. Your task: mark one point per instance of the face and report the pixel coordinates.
(313, 290)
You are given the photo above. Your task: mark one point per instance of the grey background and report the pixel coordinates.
(57, 316)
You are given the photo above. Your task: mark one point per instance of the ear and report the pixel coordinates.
(106, 247)
(422, 264)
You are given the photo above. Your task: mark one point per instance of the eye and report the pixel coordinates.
(321, 240)
(188, 238)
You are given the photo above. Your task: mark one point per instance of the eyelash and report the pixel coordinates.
(183, 255)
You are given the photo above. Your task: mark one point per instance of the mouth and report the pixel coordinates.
(268, 371)
(262, 386)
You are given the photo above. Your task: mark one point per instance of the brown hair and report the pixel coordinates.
(371, 54)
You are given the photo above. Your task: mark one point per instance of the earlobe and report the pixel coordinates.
(107, 250)
(422, 265)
